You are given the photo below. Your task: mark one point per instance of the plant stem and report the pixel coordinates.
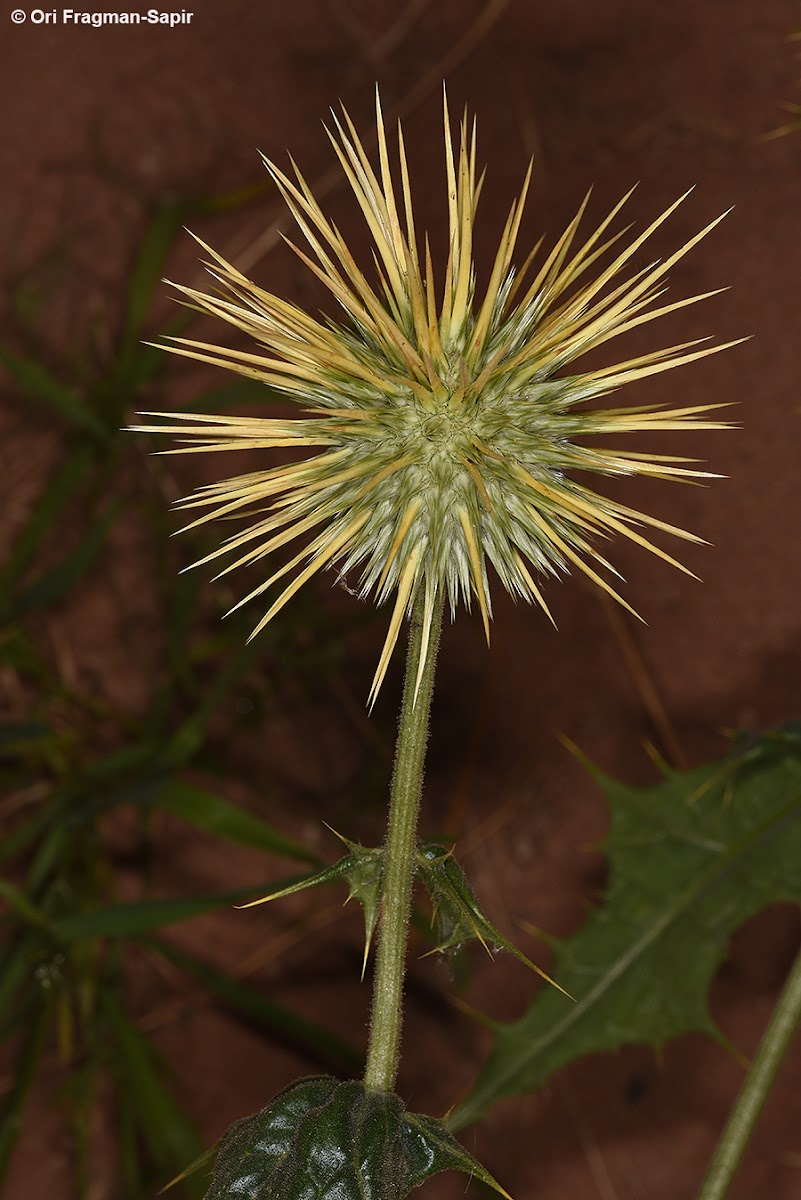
(399, 854)
(783, 1023)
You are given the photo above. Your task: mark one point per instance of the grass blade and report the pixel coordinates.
(15, 973)
(20, 737)
(322, 1046)
(44, 514)
(21, 905)
(137, 917)
(11, 1111)
(146, 274)
(40, 384)
(185, 742)
(167, 1132)
(224, 820)
(56, 583)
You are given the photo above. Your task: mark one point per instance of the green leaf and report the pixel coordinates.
(31, 1052)
(139, 366)
(102, 770)
(39, 383)
(183, 594)
(689, 860)
(50, 854)
(169, 1135)
(137, 917)
(321, 1139)
(223, 820)
(147, 271)
(185, 742)
(18, 651)
(44, 514)
(22, 906)
(50, 587)
(18, 737)
(14, 843)
(80, 1099)
(17, 973)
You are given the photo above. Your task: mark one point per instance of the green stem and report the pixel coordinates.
(399, 855)
(783, 1023)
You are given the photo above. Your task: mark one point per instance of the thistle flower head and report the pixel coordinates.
(446, 422)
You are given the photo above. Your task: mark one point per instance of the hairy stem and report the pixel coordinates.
(399, 854)
(783, 1024)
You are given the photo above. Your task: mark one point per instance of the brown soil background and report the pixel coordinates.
(98, 121)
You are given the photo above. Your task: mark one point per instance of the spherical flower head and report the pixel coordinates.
(449, 423)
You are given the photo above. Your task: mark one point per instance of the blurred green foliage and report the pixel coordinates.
(69, 760)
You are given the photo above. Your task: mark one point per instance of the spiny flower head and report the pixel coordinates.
(447, 422)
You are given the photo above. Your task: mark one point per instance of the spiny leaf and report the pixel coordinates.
(321, 1138)
(325, 875)
(458, 917)
(363, 870)
(365, 878)
(689, 860)
(202, 1161)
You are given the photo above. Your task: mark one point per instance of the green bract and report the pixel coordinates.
(457, 916)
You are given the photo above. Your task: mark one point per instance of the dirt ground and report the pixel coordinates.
(98, 121)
